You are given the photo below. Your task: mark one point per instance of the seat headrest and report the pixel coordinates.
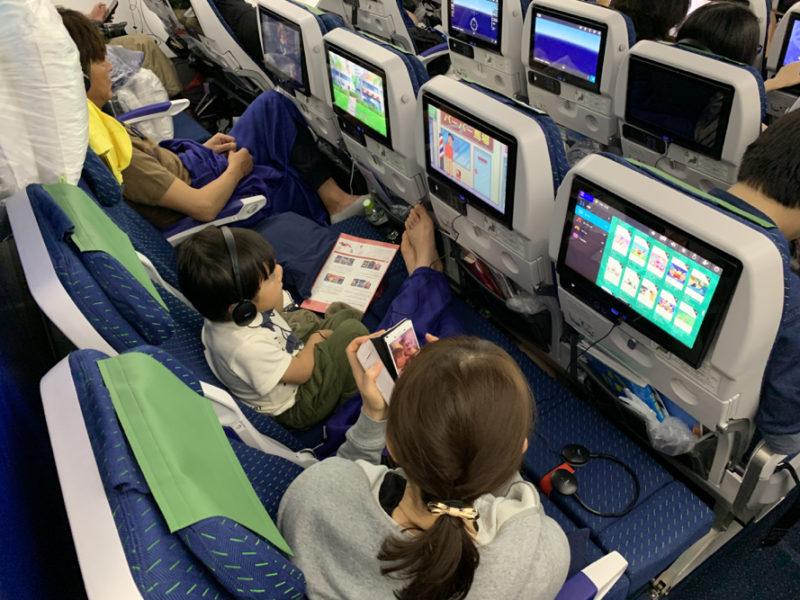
(555, 144)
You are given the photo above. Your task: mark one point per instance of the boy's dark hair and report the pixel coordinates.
(653, 19)
(205, 272)
(771, 164)
(86, 35)
(728, 29)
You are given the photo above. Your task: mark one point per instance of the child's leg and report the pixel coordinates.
(331, 381)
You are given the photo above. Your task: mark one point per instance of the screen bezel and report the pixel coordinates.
(283, 79)
(386, 140)
(669, 136)
(550, 71)
(793, 18)
(506, 218)
(613, 308)
(472, 40)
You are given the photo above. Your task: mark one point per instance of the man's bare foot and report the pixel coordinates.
(419, 234)
(408, 252)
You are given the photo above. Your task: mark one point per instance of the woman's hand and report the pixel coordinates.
(373, 404)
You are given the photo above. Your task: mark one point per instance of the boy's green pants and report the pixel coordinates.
(331, 381)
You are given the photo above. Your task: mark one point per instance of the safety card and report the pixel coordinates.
(351, 274)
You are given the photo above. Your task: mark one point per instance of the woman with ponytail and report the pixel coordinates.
(454, 520)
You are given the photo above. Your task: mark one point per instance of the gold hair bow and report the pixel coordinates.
(453, 509)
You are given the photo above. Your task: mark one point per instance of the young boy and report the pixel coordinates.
(259, 358)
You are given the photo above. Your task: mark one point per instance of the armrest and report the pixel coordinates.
(761, 484)
(433, 53)
(152, 111)
(230, 415)
(595, 580)
(233, 211)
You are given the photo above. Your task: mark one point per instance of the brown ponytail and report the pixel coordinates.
(457, 421)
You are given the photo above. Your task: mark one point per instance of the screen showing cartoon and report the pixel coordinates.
(678, 106)
(672, 282)
(792, 42)
(358, 91)
(467, 155)
(476, 19)
(283, 47)
(566, 46)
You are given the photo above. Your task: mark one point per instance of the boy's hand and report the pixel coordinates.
(241, 162)
(221, 143)
(373, 404)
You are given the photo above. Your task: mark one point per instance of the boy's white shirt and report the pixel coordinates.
(251, 360)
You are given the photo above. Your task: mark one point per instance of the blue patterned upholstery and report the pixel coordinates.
(555, 144)
(655, 533)
(123, 322)
(98, 182)
(214, 558)
(603, 484)
(73, 274)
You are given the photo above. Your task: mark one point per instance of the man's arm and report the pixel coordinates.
(205, 203)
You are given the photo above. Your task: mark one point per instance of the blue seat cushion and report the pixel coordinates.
(657, 531)
(100, 185)
(163, 563)
(603, 484)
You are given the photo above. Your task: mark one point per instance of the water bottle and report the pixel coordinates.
(374, 215)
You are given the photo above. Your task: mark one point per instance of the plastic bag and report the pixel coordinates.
(526, 303)
(45, 120)
(126, 63)
(143, 89)
(670, 436)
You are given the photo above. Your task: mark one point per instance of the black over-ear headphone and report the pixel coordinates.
(244, 311)
(562, 479)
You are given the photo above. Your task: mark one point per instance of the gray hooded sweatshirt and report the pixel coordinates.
(333, 521)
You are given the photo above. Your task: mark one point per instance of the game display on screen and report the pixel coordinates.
(671, 280)
(359, 92)
(283, 47)
(474, 160)
(477, 19)
(566, 47)
(792, 43)
(678, 106)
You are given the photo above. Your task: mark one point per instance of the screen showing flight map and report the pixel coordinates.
(476, 20)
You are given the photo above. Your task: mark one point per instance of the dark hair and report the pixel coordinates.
(459, 415)
(771, 164)
(86, 35)
(653, 19)
(728, 29)
(205, 273)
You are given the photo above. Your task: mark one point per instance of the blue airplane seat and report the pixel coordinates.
(123, 311)
(100, 185)
(213, 556)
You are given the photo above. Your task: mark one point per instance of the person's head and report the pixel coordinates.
(205, 272)
(728, 29)
(458, 424)
(92, 50)
(653, 19)
(771, 164)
